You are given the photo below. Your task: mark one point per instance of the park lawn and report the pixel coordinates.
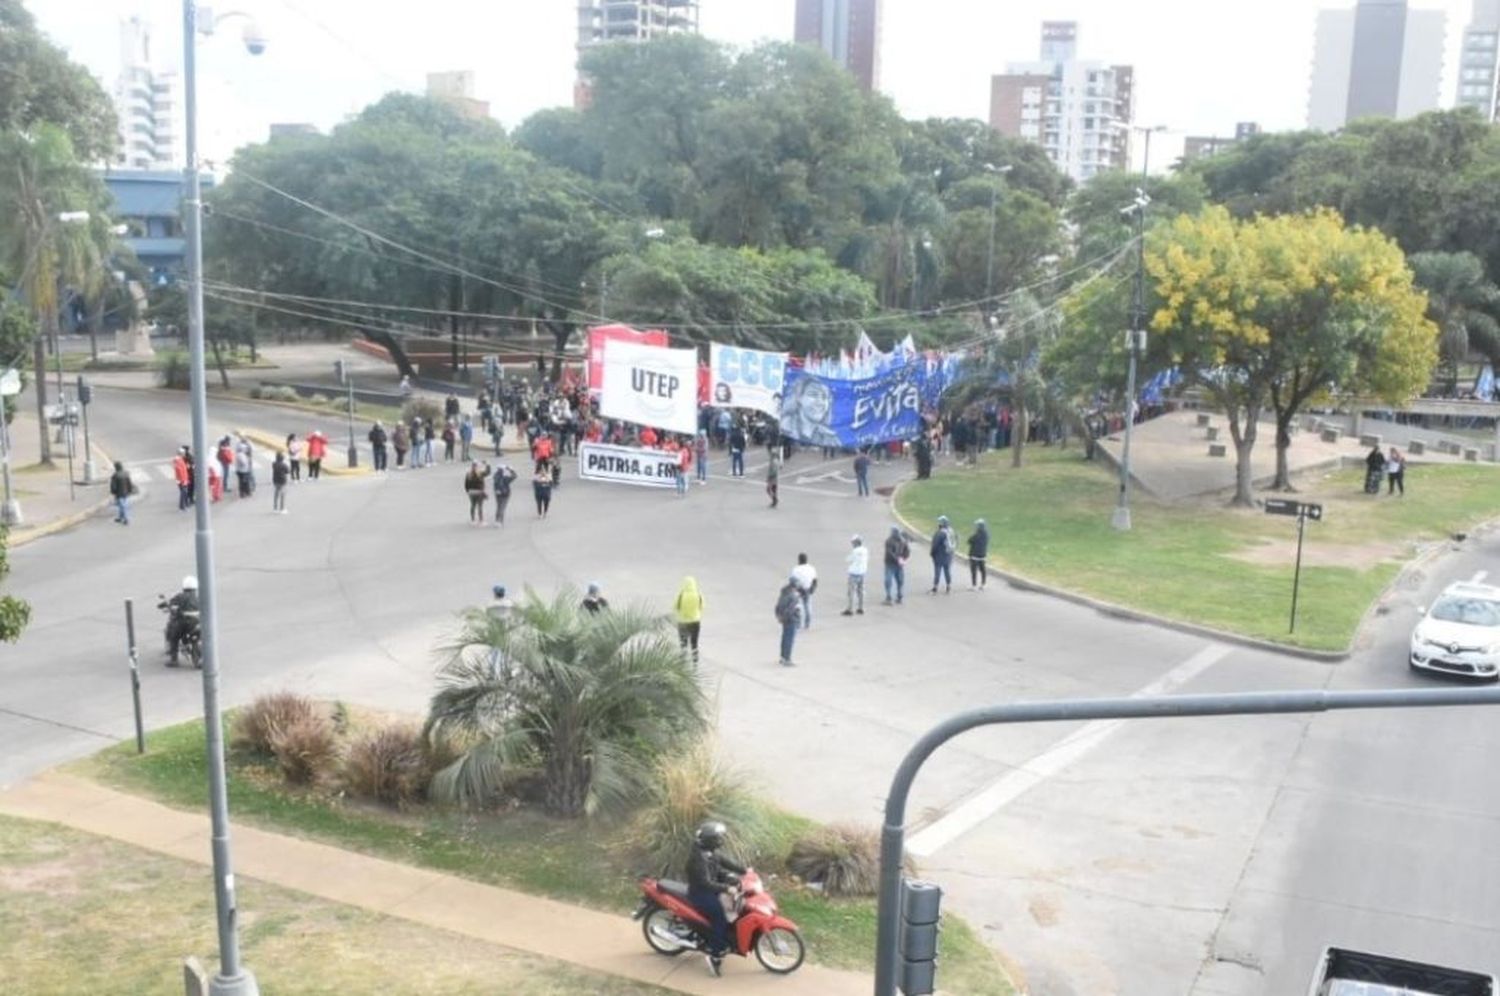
(573, 861)
(1203, 562)
(106, 917)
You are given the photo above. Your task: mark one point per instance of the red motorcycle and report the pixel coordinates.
(672, 924)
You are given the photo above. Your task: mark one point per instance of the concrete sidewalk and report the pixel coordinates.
(47, 503)
(603, 942)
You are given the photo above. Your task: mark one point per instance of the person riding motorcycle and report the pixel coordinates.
(710, 875)
(178, 606)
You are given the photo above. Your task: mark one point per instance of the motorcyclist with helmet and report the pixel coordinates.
(178, 621)
(711, 875)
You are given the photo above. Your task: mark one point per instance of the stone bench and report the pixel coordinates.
(1204, 420)
(1330, 435)
(1369, 440)
(1471, 454)
(1417, 448)
(1217, 450)
(1213, 433)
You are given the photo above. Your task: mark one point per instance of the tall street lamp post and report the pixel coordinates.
(1136, 336)
(232, 978)
(989, 263)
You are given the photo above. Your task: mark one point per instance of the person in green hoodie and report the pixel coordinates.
(689, 607)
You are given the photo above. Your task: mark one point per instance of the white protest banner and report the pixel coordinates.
(626, 465)
(650, 385)
(746, 378)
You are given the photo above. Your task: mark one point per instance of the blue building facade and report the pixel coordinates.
(149, 204)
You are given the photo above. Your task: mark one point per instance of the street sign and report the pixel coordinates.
(10, 382)
(1285, 506)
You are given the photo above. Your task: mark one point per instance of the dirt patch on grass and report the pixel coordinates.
(1359, 556)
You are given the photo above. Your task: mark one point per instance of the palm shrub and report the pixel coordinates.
(842, 859)
(592, 701)
(388, 765)
(684, 790)
(254, 724)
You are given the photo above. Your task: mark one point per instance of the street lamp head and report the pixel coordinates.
(254, 37)
(73, 217)
(1001, 170)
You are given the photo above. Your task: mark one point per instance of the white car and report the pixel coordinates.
(1460, 634)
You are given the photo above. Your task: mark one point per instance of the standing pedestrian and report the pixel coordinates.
(541, 487)
(857, 564)
(943, 541)
(121, 487)
(689, 607)
(281, 472)
(504, 477)
(681, 456)
(180, 475)
(450, 408)
(242, 448)
(294, 455)
(737, 443)
(377, 439)
(474, 488)
(242, 468)
(789, 614)
(466, 437)
(979, 549)
(400, 442)
(226, 457)
(773, 478)
(416, 444)
(806, 576)
(700, 454)
(429, 436)
(897, 552)
(450, 436)
(862, 474)
(1395, 471)
(317, 449)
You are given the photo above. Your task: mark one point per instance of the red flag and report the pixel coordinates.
(602, 334)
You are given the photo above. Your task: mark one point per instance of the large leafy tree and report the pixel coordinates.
(40, 84)
(589, 699)
(1267, 313)
(1463, 304)
(14, 613)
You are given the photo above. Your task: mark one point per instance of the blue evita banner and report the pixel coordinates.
(824, 411)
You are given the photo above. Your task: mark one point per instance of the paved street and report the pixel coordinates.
(1196, 856)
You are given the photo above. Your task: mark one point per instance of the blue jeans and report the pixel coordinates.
(942, 570)
(737, 463)
(709, 905)
(895, 577)
(806, 611)
(122, 509)
(862, 481)
(703, 468)
(788, 637)
(681, 483)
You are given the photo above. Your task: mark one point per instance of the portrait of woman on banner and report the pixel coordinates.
(807, 413)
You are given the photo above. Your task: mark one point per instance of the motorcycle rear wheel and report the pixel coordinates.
(780, 951)
(664, 921)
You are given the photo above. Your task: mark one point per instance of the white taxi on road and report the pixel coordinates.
(1460, 634)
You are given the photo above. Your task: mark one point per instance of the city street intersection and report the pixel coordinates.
(1149, 858)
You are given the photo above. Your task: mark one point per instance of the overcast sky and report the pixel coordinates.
(1201, 65)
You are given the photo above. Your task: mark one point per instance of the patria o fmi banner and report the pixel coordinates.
(746, 378)
(626, 465)
(651, 385)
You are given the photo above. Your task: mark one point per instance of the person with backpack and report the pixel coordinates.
(979, 549)
(943, 542)
(689, 607)
(897, 551)
(121, 487)
(378, 440)
(806, 576)
(281, 472)
(474, 488)
(226, 457)
(182, 475)
(789, 614)
(503, 479)
(400, 442)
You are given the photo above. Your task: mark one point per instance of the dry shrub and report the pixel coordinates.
(687, 788)
(254, 724)
(842, 859)
(389, 765)
(305, 749)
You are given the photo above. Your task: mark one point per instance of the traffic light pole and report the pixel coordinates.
(893, 833)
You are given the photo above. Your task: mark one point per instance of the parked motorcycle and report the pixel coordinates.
(672, 924)
(191, 642)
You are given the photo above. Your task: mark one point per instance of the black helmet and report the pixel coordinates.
(710, 835)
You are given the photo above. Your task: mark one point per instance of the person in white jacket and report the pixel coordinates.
(858, 565)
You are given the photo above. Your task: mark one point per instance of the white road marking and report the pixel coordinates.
(167, 473)
(1478, 577)
(988, 801)
(139, 476)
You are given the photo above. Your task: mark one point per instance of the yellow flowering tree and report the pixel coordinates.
(1267, 313)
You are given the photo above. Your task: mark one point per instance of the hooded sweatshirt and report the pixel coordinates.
(689, 602)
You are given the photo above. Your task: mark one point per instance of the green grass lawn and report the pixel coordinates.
(1206, 563)
(105, 917)
(574, 861)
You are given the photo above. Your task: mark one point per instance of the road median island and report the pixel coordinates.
(270, 444)
(1201, 562)
(583, 862)
(105, 916)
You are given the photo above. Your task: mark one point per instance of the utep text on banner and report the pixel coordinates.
(822, 411)
(651, 385)
(746, 378)
(601, 336)
(626, 465)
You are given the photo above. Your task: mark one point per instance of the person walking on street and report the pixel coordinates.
(979, 549)
(700, 457)
(541, 487)
(121, 487)
(377, 439)
(317, 449)
(789, 615)
(294, 455)
(943, 541)
(806, 576)
(474, 488)
(857, 564)
(595, 602)
(897, 552)
(737, 443)
(862, 474)
(504, 478)
(1395, 471)
(689, 607)
(450, 436)
(281, 472)
(400, 442)
(466, 437)
(180, 474)
(773, 479)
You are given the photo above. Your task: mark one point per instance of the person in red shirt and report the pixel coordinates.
(541, 450)
(648, 437)
(184, 477)
(317, 449)
(684, 461)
